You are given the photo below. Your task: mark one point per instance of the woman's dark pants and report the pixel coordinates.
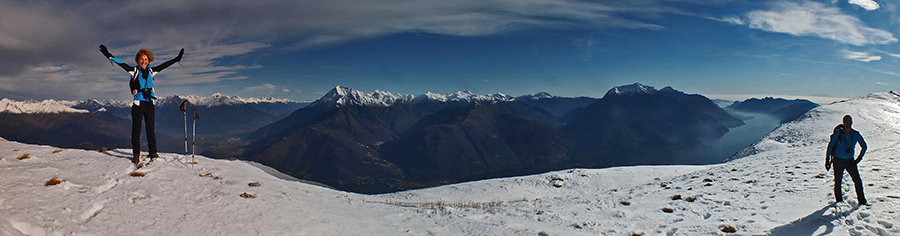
(146, 112)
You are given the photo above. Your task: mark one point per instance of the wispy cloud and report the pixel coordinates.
(889, 53)
(735, 20)
(810, 18)
(860, 56)
(869, 5)
(269, 90)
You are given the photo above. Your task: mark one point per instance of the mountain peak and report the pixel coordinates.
(343, 96)
(538, 96)
(632, 90)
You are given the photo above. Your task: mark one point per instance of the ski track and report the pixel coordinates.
(781, 190)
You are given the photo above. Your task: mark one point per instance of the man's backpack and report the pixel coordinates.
(837, 131)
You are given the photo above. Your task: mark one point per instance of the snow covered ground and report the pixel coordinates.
(779, 188)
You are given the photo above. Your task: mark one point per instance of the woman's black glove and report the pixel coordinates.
(105, 52)
(180, 54)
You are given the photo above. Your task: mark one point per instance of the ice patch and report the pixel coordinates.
(28, 229)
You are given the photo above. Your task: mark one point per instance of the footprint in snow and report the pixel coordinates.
(91, 213)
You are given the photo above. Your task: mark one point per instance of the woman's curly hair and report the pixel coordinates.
(143, 51)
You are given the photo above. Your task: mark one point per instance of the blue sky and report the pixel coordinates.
(817, 49)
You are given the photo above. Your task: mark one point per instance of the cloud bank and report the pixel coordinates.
(816, 19)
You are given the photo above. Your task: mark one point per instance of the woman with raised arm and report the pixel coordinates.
(142, 89)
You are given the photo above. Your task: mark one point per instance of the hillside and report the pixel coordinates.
(778, 187)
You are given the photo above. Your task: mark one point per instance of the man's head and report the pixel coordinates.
(848, 121)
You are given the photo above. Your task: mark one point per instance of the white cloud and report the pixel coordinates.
(264, 86)
(886, 72)
(268, 90)
(889, 54)
(734, 20)
(882, 83)
(860, 56)
(816, 19)
(869, 5)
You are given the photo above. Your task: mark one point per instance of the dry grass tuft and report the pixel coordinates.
(247, 195)
(691, 199)
(137, 174)
(103, 149)
(53, 181)
(625, 203)
(254, 184)
(210, 175)
(729, 229)
(668, 210)
(57, 151)
(232, 159)
(491, 207)
(676, 197)
(24, 156)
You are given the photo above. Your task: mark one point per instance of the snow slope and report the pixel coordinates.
(778, 187)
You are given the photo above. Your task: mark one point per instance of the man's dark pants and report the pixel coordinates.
(850, 165)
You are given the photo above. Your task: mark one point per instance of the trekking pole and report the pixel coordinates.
(194, 142)
(184, 113)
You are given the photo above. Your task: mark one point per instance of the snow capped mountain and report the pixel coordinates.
(464, 97)
(93, 105)
(218, 99)
(39, 107)
(343, 96)
(632, 90)
(537, 96)
(779, 189)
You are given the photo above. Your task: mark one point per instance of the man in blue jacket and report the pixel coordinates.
(840, 152)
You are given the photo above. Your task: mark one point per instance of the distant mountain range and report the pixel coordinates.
(382, 142)
(783, 109)
(228, 115)
(93, 123)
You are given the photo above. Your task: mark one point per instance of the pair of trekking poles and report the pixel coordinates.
(194, 135)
